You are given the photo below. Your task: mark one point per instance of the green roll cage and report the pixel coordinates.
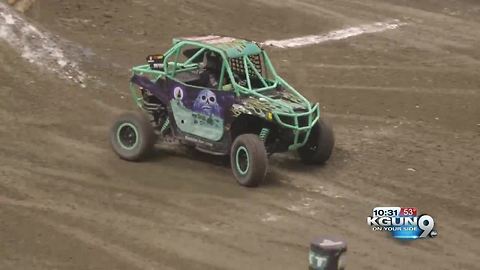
(171, 68)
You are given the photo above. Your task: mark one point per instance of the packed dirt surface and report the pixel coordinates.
(405, 105)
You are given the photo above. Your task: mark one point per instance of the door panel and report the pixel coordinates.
(200, 111)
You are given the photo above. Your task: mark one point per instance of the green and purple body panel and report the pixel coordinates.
(205, 115)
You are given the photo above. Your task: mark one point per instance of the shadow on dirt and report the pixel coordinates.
(292, 162)
(272, 179)
(186, 152)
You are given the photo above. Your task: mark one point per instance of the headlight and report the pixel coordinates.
(269, 116)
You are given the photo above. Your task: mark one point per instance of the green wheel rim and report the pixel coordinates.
(127, 136)
(242, 160)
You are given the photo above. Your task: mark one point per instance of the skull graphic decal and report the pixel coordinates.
(206, 103)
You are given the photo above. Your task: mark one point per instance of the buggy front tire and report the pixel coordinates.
(319, 145)
(132, 136)
(249, 160)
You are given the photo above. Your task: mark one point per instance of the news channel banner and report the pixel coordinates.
(329, 253)
(402, 222)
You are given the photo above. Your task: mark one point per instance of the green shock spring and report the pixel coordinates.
(165, 126)
(264, 134)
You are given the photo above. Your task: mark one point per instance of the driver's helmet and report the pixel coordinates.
(213, 61)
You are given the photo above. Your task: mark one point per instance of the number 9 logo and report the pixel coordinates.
(426, 224)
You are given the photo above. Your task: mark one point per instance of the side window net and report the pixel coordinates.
(237, 66)
(256, 61)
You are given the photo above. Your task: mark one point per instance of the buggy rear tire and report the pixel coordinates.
(132, 136)
(319, 145)
(249, 161)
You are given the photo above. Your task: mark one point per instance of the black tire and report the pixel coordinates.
(319, 146)
(253, 172)
(132, 136)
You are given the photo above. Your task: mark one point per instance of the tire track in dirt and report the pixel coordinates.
(111, 217)
(118, 214)
(80, 235)
(445, 91)
(401, 68)
(36, 46)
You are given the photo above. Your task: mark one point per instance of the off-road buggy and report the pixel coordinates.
(222, 96)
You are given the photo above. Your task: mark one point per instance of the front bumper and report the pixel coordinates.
(300, 123)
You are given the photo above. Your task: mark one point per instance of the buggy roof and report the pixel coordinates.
(232, 47)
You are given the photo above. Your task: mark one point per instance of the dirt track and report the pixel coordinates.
(407, 98)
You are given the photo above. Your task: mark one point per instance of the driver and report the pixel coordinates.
(213, 68)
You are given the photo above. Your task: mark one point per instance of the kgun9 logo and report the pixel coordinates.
(402, 223)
